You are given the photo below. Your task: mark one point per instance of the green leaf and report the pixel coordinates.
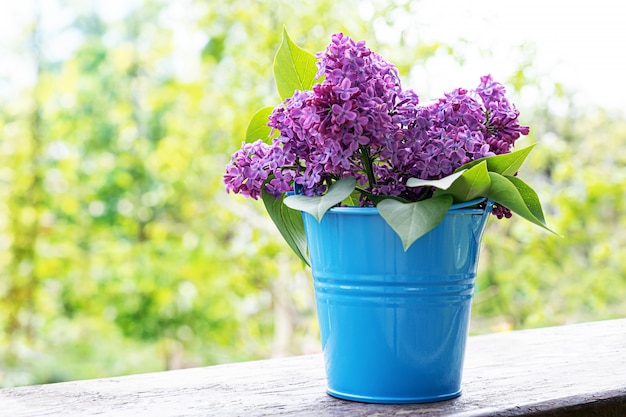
(317, 206)
(413, 220)
(376, 198)
(258, 128)
(506, 193)
(443, 183)
(289, 223)
(504, 164)
(294, 68)
(473, 183)
(352, 199)
(529, 196)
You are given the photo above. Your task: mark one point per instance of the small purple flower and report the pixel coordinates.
(501, 123)
(343, 114)
(345, 90)
(247, 170)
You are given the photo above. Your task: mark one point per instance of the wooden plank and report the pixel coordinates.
(577, 370)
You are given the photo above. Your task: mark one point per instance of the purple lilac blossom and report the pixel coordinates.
(359, 115)
(247, 169)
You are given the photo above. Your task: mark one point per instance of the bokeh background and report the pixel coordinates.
(120, 251)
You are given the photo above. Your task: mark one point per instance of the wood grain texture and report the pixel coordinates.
(577, 370)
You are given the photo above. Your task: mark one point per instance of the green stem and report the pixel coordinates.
(366, 158)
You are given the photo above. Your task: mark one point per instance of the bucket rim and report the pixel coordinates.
(466, 207)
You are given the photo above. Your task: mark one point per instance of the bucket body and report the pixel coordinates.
(393, 324)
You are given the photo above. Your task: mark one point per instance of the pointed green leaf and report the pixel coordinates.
(472, 184)
(294, 68)
(258, 128)
(317, 206)
(504, 192)
(529, 196)
(413, 220)
(443, 183)
(352, 199)
(289, 223)
(377, 198)
(504, 164)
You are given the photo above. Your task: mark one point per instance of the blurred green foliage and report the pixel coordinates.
(531, 279)
(120, 251)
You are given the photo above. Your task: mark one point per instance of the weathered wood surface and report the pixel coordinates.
(577, 370)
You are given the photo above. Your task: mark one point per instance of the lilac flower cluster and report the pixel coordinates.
(359, 122)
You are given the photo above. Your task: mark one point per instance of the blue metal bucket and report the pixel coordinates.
(394, 324)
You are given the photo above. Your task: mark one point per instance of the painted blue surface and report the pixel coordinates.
(393, 324)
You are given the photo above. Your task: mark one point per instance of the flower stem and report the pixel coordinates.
(366, 158)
